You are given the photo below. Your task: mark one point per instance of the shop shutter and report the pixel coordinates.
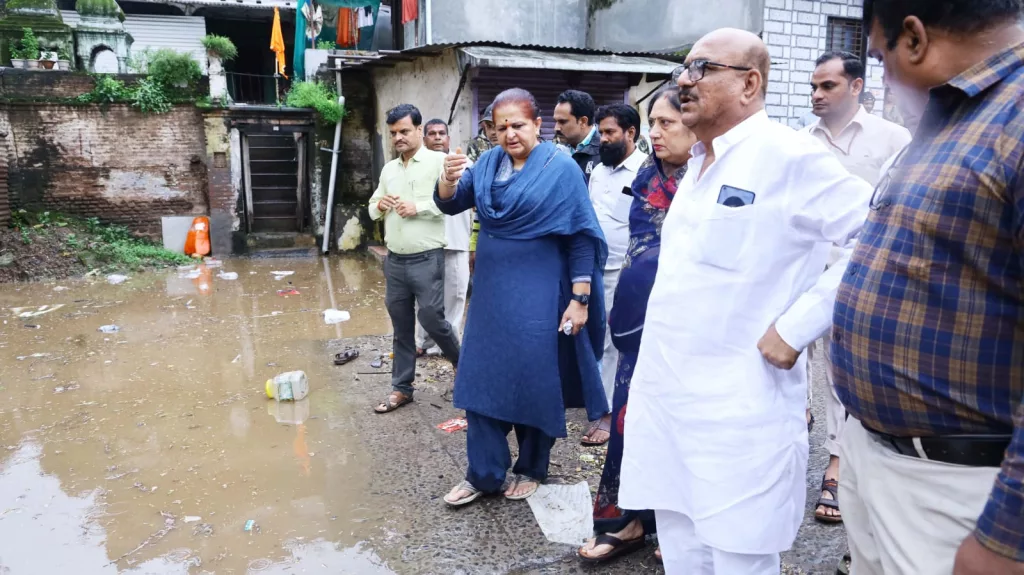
(546, 85)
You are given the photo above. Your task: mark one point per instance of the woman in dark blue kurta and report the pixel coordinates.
(539, 236)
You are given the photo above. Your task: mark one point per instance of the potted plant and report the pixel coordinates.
(17, 55)
(64, 59)
(48, 59)
(30, 48)
(220, 47)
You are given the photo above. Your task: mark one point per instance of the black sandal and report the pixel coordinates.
(619, 548)
(832, 487)
(343, 358)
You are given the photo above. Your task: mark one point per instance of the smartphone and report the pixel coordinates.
(735, 198)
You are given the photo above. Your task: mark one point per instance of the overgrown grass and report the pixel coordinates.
(220, 46)
(97, 245)
(321, 97)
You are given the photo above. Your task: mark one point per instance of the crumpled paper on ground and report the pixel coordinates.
(564, 512)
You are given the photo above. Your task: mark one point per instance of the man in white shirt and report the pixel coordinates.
(619, 128)
(862, 143)
(456, 254)
(716, 439)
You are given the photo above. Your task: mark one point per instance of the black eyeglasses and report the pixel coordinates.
(697, 68)
(880, 197)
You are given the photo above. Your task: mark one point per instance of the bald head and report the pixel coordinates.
(724, 82)
(737, 48)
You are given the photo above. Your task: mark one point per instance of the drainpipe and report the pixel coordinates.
(334, 168)
(429, 18)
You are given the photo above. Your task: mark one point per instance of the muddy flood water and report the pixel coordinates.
(154, 450)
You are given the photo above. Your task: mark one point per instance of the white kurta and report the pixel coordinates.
(712, 430)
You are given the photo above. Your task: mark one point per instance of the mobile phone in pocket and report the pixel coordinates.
(731, 197)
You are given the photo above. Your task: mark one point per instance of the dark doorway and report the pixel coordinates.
(251, 75)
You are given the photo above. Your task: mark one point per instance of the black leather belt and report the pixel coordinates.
(967, 450)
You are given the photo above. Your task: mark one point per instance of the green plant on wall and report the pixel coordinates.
(325, 45)
(150, 97)
(14, 46)
(174, 70)
(319, 96)
(29, 44)
(220, 46)
(108, 8)
(64, 53)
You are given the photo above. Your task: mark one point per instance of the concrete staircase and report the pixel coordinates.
(281, 245)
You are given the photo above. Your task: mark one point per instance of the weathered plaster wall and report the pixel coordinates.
(121, 165)
(430, 84)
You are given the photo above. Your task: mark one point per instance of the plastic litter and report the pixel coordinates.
(287, 292)
(25, 312)
(251, 526)
(377, 363)
(109, 329)
(228, 275)
(213, 263)
(116, 279)
(453, 425)
(288, 386)
(192, 518)
(333, 316)
(278, 276)
(564, 512)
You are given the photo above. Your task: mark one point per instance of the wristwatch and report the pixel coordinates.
(582, 299)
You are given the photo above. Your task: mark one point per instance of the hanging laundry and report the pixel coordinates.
(348, 33)
(410, 10)
(365, 16)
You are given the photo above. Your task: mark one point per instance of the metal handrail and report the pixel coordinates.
(256, 88)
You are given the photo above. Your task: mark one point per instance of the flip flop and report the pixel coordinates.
(343, 358)
(619, 548)
(389, 406)
(474, 494)
(521, 479)
(599, 425)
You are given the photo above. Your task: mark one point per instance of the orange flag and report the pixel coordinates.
(277, 42)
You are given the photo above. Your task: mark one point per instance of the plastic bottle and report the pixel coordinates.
(289, 386)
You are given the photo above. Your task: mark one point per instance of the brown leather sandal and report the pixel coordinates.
(394, 401)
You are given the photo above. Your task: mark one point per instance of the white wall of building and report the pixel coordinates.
(796, 32)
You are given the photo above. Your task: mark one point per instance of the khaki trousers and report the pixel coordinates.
(835, 413)
(904, 515)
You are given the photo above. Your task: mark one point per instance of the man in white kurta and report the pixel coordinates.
(715, 435)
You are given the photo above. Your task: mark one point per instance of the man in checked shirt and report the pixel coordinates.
(928, 342)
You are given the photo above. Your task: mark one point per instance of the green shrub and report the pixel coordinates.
(65, 54)
(106, 90)
(174, 70)
(325, 45)
(321, 97)
(149, 96)
(29, 45)
(16, 52)
(220, 46)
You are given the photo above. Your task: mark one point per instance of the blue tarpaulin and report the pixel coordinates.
(302, 42)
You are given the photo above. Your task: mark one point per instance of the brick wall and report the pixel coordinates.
(122, 166)
(796, 31)
(5, 208)
(357, 176)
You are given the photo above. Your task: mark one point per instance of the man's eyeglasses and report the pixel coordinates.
(880, 197)
(697, 68)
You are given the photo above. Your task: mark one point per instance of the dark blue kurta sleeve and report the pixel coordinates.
(463, 199)
(581, 258)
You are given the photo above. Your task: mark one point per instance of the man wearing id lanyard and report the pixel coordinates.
(717, 437)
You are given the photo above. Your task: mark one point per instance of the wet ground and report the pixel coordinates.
(154, 450)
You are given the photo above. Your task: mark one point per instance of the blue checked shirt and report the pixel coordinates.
(929, 321)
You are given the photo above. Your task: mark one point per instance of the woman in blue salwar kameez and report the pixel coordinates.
(540, 257)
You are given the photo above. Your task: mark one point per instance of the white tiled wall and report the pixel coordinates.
(795, 31)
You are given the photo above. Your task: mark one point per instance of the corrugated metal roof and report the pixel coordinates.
(535, 57)
(498, 57)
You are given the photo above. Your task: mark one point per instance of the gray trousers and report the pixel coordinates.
(416, 279)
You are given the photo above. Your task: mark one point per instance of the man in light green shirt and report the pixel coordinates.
(415, 237)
